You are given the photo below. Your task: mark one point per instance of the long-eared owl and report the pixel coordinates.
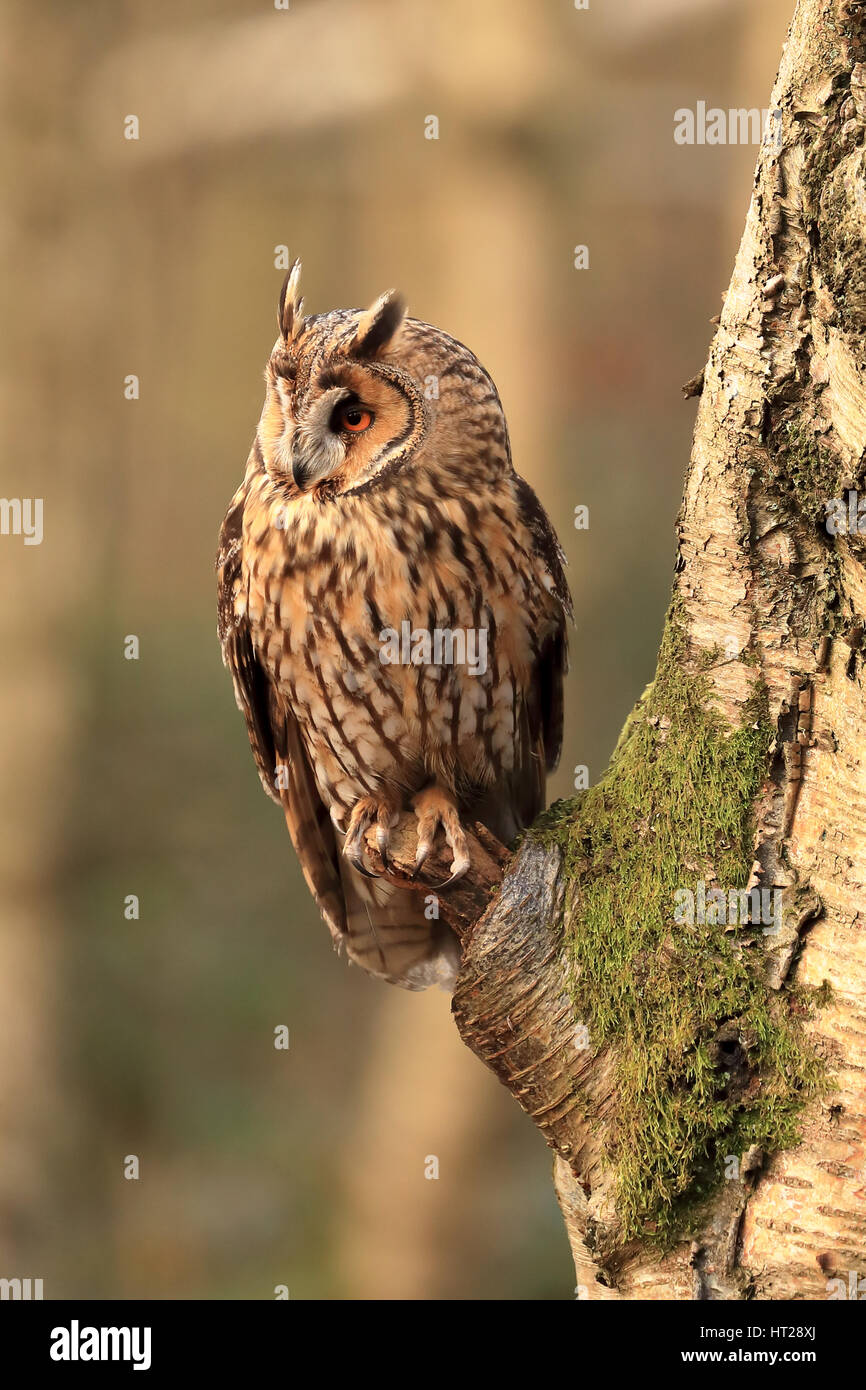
(392, 608)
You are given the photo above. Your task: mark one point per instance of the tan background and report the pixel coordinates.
(155, 257)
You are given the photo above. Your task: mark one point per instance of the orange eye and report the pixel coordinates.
(354, 418)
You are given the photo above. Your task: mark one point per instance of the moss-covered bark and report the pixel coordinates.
(709, 1061)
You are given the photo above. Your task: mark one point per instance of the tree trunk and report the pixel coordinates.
(699, 1068)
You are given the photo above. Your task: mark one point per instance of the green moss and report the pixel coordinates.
(675, 807)
(805, 476)
(809, 471)
(840, 248)
(823, 996)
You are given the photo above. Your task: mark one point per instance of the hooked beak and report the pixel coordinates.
(300, 474)
(315, 450)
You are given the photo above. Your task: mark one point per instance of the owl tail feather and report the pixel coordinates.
(388, 935)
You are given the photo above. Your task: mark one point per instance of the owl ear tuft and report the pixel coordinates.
(379, 324)
(289, 314)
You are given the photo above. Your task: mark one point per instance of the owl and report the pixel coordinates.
(392, 609)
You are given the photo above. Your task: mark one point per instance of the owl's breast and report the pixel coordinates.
(399, 663)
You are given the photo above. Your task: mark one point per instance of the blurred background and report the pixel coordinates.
(155, 257)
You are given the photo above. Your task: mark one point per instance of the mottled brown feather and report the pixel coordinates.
(332, 540)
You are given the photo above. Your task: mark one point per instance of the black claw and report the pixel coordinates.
(420, 861)
(356, 859)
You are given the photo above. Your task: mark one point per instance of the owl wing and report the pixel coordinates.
(552, 659)
(274, 735)
(520, 797)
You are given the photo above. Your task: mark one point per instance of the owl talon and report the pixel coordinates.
(382, 839)
(460, 862)
(365, 813)
(421, 856)
(435, 807)
(355, 857)
(459, 865)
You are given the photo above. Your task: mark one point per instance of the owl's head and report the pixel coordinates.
(354, 396)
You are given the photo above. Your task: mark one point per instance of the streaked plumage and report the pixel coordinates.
(343, 531)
